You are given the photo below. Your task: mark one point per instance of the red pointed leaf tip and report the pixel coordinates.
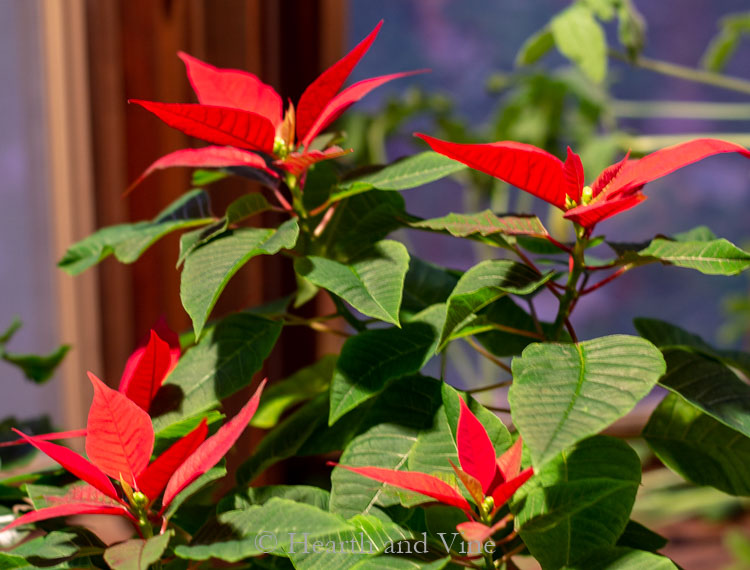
(66, 511)
(509, 463)
(218, 125)
(48, 437)
(667, 160)
(232, 88)
(503, 492)
(120, 435)
(590, 215)
(153, 480)
(74, 463)
(210, 452)
(298, 162)
(473, 531)
(573, 173)
(523, 165)
(414, 481)
(473, 486)
(206, 157)
(348, 97)
(146, 370)
(476, 454)
(322, 90)
(618, 187)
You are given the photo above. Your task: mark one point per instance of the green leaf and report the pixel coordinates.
(631, 28)
(724, 44)
(59, 547)
(358, 223)
(209, 268)
(372, 283)
(372, 358)
(282, 527)
(251, 496)
(484, 283)
(602, 9)
(427, 445)
(8, 561)
(715, 257)
(321, 178)
(580, 38)
(710, 386)
(349, 549)
(403, 174)
(620, 558)
(203, 177)
(37, 368)
(535, 47)
(241, 209)
(223, 362)
(401, 562)
(286, 439)
(698, 447)
(578, 502)
(538, 245)
(128, 241)
(483, 223)
(668, 336)
(299, 387)
(426, 284)
(306, 432)
(563, 393)
(177, 430)
(137, 554)
(640, 537)
(11, 330)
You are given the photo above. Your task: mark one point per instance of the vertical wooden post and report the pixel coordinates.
(70, 193)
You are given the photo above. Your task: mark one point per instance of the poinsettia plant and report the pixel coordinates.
(425, 476)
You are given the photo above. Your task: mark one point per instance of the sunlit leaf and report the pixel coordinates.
(579, 501)
(372, 283)
(209, 268)
(563, 393)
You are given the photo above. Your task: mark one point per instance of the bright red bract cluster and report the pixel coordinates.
(120, 441)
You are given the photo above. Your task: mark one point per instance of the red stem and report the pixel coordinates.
(324, 221)
(280, 197)
(557, 244)
(603, 282)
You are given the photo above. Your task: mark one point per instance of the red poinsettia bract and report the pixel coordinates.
(120, 442)
(145, 371)
(490, 480)
(241, 113)
(616, 189)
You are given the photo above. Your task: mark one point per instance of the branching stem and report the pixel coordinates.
(481, 350)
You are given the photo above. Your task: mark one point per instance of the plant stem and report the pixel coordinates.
(688, 73)
(534, 316)
(603, 282)
(481, 350)
(530, 263)
(489, 563)
(571, 288)
(519, 332)
(571, 331)
(502, 384)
